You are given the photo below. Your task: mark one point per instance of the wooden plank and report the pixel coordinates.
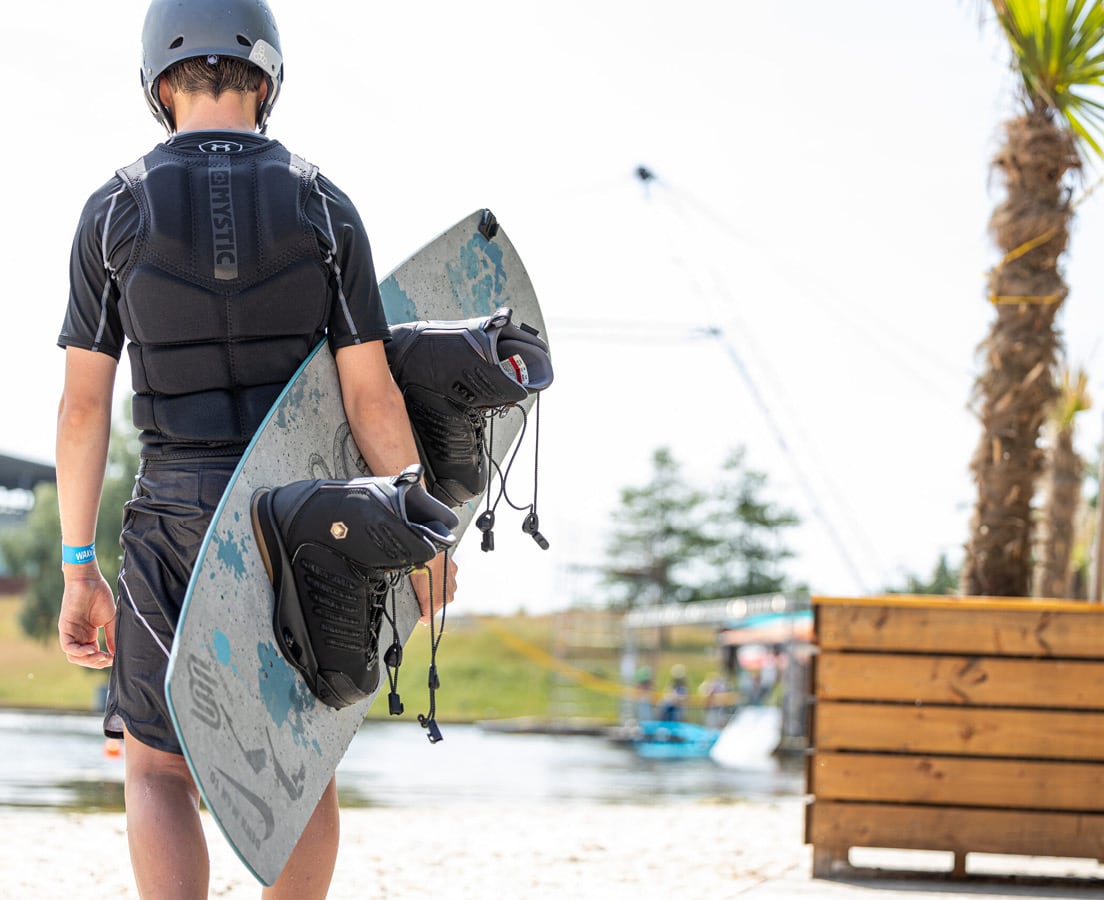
(835, 827)
(1023, 631)
(958, 781)
(989, 603)
(967, 730)
(964, 680)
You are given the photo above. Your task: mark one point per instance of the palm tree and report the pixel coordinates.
(1058, 53)
(1065, 473)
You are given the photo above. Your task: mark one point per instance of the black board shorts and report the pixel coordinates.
(163, 529)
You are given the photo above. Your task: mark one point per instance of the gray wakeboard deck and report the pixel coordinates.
(261, 747)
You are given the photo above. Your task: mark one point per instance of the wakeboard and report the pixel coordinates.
(261, 746)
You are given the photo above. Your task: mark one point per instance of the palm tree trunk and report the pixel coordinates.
(1063, 499)
(1017, 386)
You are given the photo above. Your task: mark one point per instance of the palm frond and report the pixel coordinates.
(1058, 50)
(1073, 398)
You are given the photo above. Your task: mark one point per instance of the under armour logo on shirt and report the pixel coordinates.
(221, 147)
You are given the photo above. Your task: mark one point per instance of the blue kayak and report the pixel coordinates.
(655, 739)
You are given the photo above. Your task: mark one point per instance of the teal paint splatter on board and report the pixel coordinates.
(294, 396)
(220, 647)
(397, 306)
(286, 696)
(220, 643)
(290, 405)
(493, 253)
(231, 554)
(478, 278)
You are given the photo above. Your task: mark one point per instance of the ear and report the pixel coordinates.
(164, 94)
(262, 93)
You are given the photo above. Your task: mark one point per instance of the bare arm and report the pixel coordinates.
(84, 428)
(377, 417)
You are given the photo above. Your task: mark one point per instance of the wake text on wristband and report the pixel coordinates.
(76, 556)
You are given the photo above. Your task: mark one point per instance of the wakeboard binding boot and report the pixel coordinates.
(331, 549)
(453, 374)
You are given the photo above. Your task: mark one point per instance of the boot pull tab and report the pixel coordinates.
(531, 527)
(433, 730)
(500, 319)
(485, 523)
(412, 474)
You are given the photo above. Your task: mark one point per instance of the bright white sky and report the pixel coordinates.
(823, 198)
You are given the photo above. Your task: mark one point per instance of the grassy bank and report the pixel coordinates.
(35, 674)
(552, 666)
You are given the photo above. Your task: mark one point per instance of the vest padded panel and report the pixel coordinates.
(226, 291)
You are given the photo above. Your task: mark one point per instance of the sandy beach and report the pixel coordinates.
(551, 850)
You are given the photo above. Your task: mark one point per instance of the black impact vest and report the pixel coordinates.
(224, 295)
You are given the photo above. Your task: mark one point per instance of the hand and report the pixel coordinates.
(434, 573)
(87, 606)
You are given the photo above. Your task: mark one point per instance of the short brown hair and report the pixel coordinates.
(213, 75)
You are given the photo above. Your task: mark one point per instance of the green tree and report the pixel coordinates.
(746, 551)
(34, 550)
(1058, 55)
(943, 580)
(673, 542)
(656, 538)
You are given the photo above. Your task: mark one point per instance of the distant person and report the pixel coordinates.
(220, 259)
(673, 702)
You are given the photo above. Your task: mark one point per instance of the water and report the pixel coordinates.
(62, 761)
(57, 761)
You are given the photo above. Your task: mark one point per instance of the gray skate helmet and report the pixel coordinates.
(180, 29)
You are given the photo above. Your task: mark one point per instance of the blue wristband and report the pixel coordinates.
(76, 556)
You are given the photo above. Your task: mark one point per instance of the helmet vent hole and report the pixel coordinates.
(244, 41)
(178, 41)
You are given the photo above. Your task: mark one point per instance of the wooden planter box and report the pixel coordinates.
(962, 725)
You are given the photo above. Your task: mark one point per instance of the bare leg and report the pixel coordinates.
(310, 868)
(168, 850)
